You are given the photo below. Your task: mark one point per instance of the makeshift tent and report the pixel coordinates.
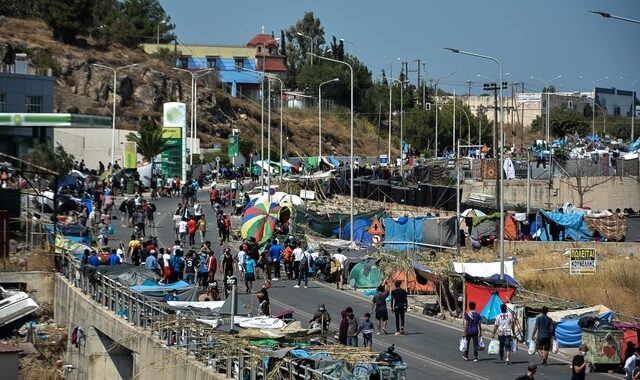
(439, 231)
(483, 269)
(157, 292)
(400, 235)
(568, 333)
(360, 234)
(480, 292)
(491, 309)
(129, 274)
(366, 274)
(488, 225)
(555, 225)
(325, 224)
(412, 282)
(613, 227)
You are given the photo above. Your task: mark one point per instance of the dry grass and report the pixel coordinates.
(615, 284)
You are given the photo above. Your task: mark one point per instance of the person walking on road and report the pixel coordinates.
(192, 227)
(471, 329)
(297, 256)
(379, 308)
(276, 254)
(352, 329)
(504, 327)
(303, 269)
(202, 228)
(344, 325)
(249, 267)
(543, 333)
(399, 305)
(227, 270)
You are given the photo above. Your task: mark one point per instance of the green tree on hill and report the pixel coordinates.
(68, 18)
(18, 8)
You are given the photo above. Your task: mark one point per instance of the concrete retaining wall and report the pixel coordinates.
(116, 349)
(39, 284)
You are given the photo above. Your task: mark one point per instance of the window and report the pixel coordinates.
(33, 104)
(184, 62)
(239, 62)
(2, 102)
(570, 104)
(212, 62)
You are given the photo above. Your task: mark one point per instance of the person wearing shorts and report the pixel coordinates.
(543, 334)
(379, 308)
(249, 267)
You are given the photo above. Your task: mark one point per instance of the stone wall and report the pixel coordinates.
(136, 354)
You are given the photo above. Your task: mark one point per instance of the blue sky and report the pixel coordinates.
(542, 38)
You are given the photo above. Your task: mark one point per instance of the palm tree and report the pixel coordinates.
(149, 142)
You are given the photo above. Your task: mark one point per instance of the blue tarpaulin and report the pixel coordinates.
(572, 225)
(155, 288)
(569, 334)
(510, 280)
(401, 234)
(360, 228)
(332, 160)
(491, 309)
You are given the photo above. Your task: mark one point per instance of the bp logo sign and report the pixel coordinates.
(17, 119)
(175, 115)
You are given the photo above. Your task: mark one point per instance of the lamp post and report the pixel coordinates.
(351, 145)
(401, 83)
(113, 112)
(501, 153)
(609, 15)
(593, 106)
(438, 81)
(158, 31)
(281, 93)
(633, 103)
(468, 124)
(320, 116)
(546, 90)
(310, 39)
(195, 119)
(604, 120)
(349, 42)
(194, 95)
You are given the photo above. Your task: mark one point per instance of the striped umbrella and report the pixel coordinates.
(260, 221)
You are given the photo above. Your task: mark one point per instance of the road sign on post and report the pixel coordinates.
(582, 261)
(234, 145)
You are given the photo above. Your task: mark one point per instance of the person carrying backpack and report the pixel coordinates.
(472, 329)
(303, 270)
(203, 270)
(177, 266)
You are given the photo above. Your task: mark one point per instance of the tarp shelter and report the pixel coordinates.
(633, 228)
(366, 274)
(612, 227)
(360, 231)
(556, 226)
(412, 282)
(483, 269)
(568, 333)
(490, 225)
(440, 231)
(400, 234)
(157, 292)
(129, 274)
(325, 224)
(480, 292)
(491, 309)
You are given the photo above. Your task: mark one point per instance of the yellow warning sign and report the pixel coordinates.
(376, 227)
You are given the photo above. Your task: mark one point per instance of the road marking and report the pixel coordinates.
(405, 352)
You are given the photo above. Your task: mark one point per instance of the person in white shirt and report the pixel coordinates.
(342, 259)
(234, 188)
(197, 210)
(182, 230)
(630, 364)
(504, 327)
(297, 256)
(240, 259)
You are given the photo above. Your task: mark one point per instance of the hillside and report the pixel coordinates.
(86, 89)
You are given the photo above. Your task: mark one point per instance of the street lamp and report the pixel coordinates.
(281, 95)
(349, 42)
(320, 117)
(194, 96)
(438, 81)
(604, 120)
(609, 15)
(401, 83)
(633, 103)
(501, 152)
(546, 90)
(351, 149)
(158, 31)
(468, 124)
(261, 74)
(113, 112)
(310, 39)
(593, 106)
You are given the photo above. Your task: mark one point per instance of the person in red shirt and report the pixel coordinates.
(192, 227)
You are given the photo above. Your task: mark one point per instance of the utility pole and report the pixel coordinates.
(494, 87)
(418, 84)
(522, 125)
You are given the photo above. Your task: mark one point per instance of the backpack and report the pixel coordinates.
(304, 262)
(203, 264)
(176, 264)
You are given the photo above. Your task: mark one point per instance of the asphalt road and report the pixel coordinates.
(430, 346)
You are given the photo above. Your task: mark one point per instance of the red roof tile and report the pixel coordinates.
(262, 39)
(5, 348)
